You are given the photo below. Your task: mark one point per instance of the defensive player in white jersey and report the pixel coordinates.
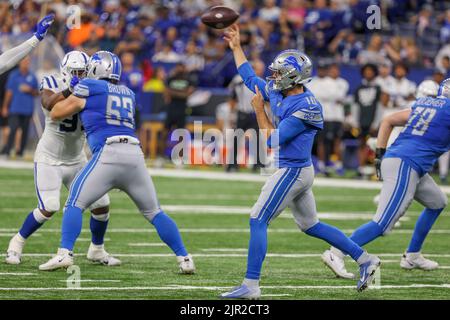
(58, 158)
(13, 56)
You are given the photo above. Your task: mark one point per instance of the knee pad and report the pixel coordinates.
(150, 214)
(51, 204)
(100, 203)
(100, 217)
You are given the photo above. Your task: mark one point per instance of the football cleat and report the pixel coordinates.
(186, 264)
(14, 252)
(242, 292)
(367, 272)
(415, 260)
(63, 259)
(98, 254)
(336, 264)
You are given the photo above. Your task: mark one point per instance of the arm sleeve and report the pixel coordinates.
(12, 56)
(251, 80)
(287, 130)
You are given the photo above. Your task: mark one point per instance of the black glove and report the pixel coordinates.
(379, 153)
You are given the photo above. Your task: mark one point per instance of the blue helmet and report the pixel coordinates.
(444, 89)
(104, 65)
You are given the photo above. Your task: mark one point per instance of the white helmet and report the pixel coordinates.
(427, 88)
(74, 63)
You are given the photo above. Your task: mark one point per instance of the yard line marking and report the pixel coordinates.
(224, 250)
(90, 280)
(276, 295)
(233, 210)
(216, 230)
(231, 197)
(89, 239)
(224, 176)
(17, 274)
(214, 288)
(145, 244)
(12, 234)
(224, 255)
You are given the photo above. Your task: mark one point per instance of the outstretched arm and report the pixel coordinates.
(243, 66)
(67, 107)
(388, 123)
(13, 56)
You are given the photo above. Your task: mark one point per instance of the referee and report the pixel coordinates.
(241, 98)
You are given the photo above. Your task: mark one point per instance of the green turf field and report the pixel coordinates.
(213, 218)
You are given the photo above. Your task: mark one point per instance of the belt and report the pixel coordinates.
(122, 139)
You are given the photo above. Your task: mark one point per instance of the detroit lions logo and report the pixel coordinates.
(291, 61)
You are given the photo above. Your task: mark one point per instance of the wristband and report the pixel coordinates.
(66, 93)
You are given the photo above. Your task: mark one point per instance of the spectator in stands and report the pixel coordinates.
(18, 104)
(193, 60)
(241, 98)
(403, 90)
(270, 11)
(167, 55)
(180, 86)
(3, 119)
(367, 98)
(157, 82)
(374, 52)
(132, 78)
(111, 38)
(445, 29)
(332, 100)
(78, 36)
(346, 47)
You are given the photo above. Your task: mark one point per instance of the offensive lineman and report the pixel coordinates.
(58, 158)
(300, 117)
(404, 170)
(13, 56)
(107, 112)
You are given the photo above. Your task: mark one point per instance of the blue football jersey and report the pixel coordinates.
(296, 153)
(109, 111)
(426, 136)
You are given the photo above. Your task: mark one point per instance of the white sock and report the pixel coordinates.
(251, 283)
(364, 258)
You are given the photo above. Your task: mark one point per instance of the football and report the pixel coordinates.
(219, 17)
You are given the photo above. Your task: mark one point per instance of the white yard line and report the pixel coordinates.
(17, 274)
(227, 255)
(145, 244)
(213, 175)
(230, 211)
(90, 280)
(214, 288)
(215, 230)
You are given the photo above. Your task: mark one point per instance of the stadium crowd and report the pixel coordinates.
(163, 44)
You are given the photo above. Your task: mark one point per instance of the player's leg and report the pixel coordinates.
(24, 125)
(139, 186)
(91, 183)
(304, 210)
(47, 181)
(397, 193)
(98, 225)
(399, 185)
(434, 200)
(98, 221)
(275, 195)
(444, 161)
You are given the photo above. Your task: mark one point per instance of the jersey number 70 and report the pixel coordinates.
(420, 120)
(119, 111)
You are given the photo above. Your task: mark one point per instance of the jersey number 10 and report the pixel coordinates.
(119, 111)
(420, 120)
